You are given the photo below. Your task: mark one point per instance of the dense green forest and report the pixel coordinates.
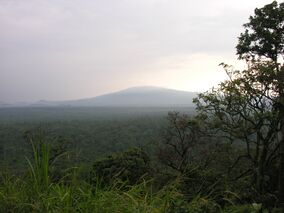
(84, 142)
(87, 133)
(227, 155)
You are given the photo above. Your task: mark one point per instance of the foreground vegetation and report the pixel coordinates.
(40, 190)
(159, 179)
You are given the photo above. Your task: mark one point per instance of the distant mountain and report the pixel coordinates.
(4, 104)
(131, 97)
(14, 104)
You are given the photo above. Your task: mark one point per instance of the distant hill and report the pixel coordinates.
(131, 97)
(4, 104)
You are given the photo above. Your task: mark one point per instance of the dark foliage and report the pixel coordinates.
(128, 167)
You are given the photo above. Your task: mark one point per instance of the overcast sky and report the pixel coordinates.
(69, 49)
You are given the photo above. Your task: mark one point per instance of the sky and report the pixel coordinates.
(71, 49)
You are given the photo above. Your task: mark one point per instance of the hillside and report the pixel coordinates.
(132, 97)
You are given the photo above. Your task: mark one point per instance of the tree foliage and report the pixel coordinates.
(127, 166)
(263, 36)
(263, 40)
(249, 107)
(179, 142)
(240, 110)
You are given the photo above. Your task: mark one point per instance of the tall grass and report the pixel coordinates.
(39, 169)
(17, 196)
(37, 192)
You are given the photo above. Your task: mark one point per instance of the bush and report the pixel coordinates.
(128, 167)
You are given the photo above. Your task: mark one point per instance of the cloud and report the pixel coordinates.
(65, 49)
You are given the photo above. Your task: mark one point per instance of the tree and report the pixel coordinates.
(241, 110)
(263, 36)
(129, 166)
(263, 40)
(178, 149)
(193, 157)
(249, 107)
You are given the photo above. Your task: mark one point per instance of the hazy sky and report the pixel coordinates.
(69, 49)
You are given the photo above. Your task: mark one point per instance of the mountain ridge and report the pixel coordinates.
(140, 96)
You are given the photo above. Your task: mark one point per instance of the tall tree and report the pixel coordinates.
(180, 140)
(241, 109)
(263, 37)
(263, 40)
